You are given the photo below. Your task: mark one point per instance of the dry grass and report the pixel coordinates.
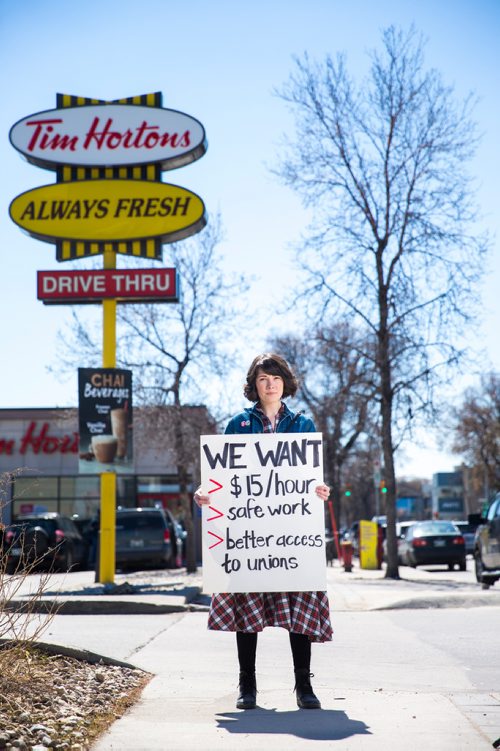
(50, 699)
(22, 626)
(62, 699)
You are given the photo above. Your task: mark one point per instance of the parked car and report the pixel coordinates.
(177, 534)
(468, 531)
(401, 530)
(487, 546)
(434, 542)
(48, 541)
(143, 538)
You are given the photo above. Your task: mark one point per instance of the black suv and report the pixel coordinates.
(487, 546)
(49, 541)
(143, 538)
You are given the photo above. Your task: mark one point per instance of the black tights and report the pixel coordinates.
(247, 647)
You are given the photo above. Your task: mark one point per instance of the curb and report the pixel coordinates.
(109, 604)
(123, 606)
(94, 607)
(78, 654)
(437, 602)
(139, 598)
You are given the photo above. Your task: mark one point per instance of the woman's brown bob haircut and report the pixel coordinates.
(273, 365)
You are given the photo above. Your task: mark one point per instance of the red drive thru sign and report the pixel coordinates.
(124, 285)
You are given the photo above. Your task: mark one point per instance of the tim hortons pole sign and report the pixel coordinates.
(108, 158)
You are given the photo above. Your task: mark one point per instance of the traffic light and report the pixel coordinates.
(347, 491)
(383, 489)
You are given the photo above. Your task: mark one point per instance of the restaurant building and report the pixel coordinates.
(39, 460)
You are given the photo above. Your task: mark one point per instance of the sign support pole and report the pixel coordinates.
(107, 541)
(334, 530)
(109, 319)
(108, 479)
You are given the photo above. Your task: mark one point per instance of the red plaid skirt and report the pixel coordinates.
(300, 612)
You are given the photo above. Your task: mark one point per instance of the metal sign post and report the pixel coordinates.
(108, 479)
(107, 539)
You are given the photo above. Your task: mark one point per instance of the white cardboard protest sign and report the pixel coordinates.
(264, 530)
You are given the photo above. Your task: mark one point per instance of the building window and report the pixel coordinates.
(126, 493)
(80, 495)
(83, 486)
(35, 488)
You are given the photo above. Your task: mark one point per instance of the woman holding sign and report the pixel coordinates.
(305, 615)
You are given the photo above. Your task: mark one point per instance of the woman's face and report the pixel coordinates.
(269, 387)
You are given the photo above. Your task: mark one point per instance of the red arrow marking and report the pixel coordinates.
(218, 514)
(219, 486)
(219, 540)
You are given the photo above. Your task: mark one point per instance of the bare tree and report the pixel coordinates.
(362, 501)
(336, 386)
(477, 432)
(174, 350)
(177, 428)
(392, 243)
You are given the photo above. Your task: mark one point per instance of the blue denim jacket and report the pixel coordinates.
(249, 421)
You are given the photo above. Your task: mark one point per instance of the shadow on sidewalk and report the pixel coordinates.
(324, 725)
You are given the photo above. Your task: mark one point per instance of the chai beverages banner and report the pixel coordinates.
(105, 420)
(264, 529)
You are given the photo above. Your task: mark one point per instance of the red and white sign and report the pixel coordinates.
(39, 440)
(101, 135)
(130, 285)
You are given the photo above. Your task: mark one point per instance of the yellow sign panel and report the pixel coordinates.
(109, 211)
(368, 538)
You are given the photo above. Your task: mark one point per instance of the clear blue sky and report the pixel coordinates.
(219, 61)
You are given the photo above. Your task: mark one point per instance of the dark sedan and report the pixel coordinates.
(434, 542)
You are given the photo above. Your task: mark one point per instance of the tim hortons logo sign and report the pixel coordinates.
(39, 440)
(108, 158)
(101, 135)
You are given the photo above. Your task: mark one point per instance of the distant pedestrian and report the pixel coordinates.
(90, 538)
(305, 615)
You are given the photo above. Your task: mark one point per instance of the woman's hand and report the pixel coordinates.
(322, 491)
(201, 498)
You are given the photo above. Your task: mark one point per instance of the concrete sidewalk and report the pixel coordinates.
(191, 701)
(371, 700)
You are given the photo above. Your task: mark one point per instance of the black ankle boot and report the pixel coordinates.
(247, 691)
(306, 699)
